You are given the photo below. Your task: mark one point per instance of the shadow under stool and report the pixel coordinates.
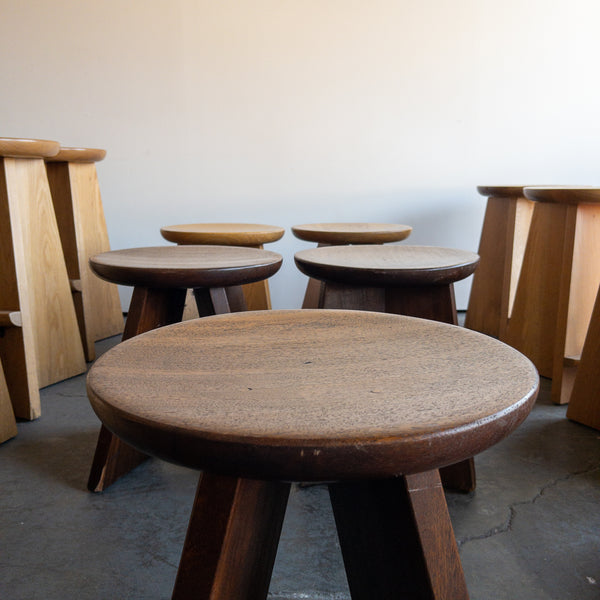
(501, 248)
(249, 235)
(558, 283)
(161, 277)
(80, 216)
(40, 342)
(294, 409)
(417, 281)
(343, 234)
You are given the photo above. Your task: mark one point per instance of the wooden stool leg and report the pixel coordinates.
(397, 540)
(8, 425)
(232, 539)
(149, 309)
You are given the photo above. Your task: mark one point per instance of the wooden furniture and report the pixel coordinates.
(558, 283)
(417, 281)
(161, 276)
(341, 234)
(8, 424)
(501, 248)
(80, 216)
(294, 408)
(249, 235)
(41, 343)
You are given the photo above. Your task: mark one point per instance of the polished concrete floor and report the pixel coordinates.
(531, 531)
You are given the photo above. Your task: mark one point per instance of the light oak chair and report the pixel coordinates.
(249, 235)
(41, 343)
(501, 248)
(558, 283)
(80, 216)
(342, 234)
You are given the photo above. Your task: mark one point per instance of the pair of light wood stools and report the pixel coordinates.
(51, 306)
(538, 281)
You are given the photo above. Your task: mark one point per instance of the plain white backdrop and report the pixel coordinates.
(298, 111)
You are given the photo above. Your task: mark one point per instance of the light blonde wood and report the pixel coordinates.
(8, 424)
(82, 226)
(501, 248)
(24, 148)
(352, 233)
(44, 295)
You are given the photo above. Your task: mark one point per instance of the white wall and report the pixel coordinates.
(295, 111)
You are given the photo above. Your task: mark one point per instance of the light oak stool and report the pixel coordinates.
(501, 248)
(80, 216)
(248, 235)
(161, 277)
(290, 410)
(41, 343)
(558, 283)
(417, 281)
(342, 234)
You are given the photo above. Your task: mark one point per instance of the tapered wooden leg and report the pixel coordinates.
(315, 291)
(397, 540)
(8, 425)
(232, 539)
(149, 309)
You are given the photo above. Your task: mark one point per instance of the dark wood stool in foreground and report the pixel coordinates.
(558, 283)
(343, 234)
(501, 248)
(161, 277)
(249, 235)
(290, 410)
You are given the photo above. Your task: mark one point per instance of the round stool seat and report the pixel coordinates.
(24, 148)
(501, 191)
(186, 266)
(78, 155)
(379, 265)
(564, 194)
(352, 233)
(312, 395)
(225, 234)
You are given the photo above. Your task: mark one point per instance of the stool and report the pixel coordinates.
(8, 424)
(78, 205)
(417, 281)
(231, 234)
(342, 234)
(501, 249)
(161, 276)
(41, 343)
(290, 410)
(558, 283)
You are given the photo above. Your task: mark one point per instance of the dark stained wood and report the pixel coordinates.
(397, 540)
(232, 539)
(352, 233)
(186, 266)
(501, 191)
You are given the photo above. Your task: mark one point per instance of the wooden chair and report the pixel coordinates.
(248, 235)
(558, 282)
(501, 248)
(41, 343)
(293, 409)
(417, 281)
(80, 216)
(161, 277)
(342, 234)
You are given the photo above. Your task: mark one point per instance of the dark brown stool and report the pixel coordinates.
(558, 282)
(342, 234)
(501, 248)
(417, 281)
(161, 277)
(249, 235)
(290, 410)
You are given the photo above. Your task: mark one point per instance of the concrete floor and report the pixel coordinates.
(531, 531)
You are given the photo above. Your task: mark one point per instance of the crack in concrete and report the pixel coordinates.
(507, 525)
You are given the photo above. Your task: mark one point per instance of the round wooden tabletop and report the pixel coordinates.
(352, 233)
(378, 265)
(312, 395)
(81, 155)
(25, 148)
(224, 234)
(501, 191)
(564, 194)
(186, 266)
